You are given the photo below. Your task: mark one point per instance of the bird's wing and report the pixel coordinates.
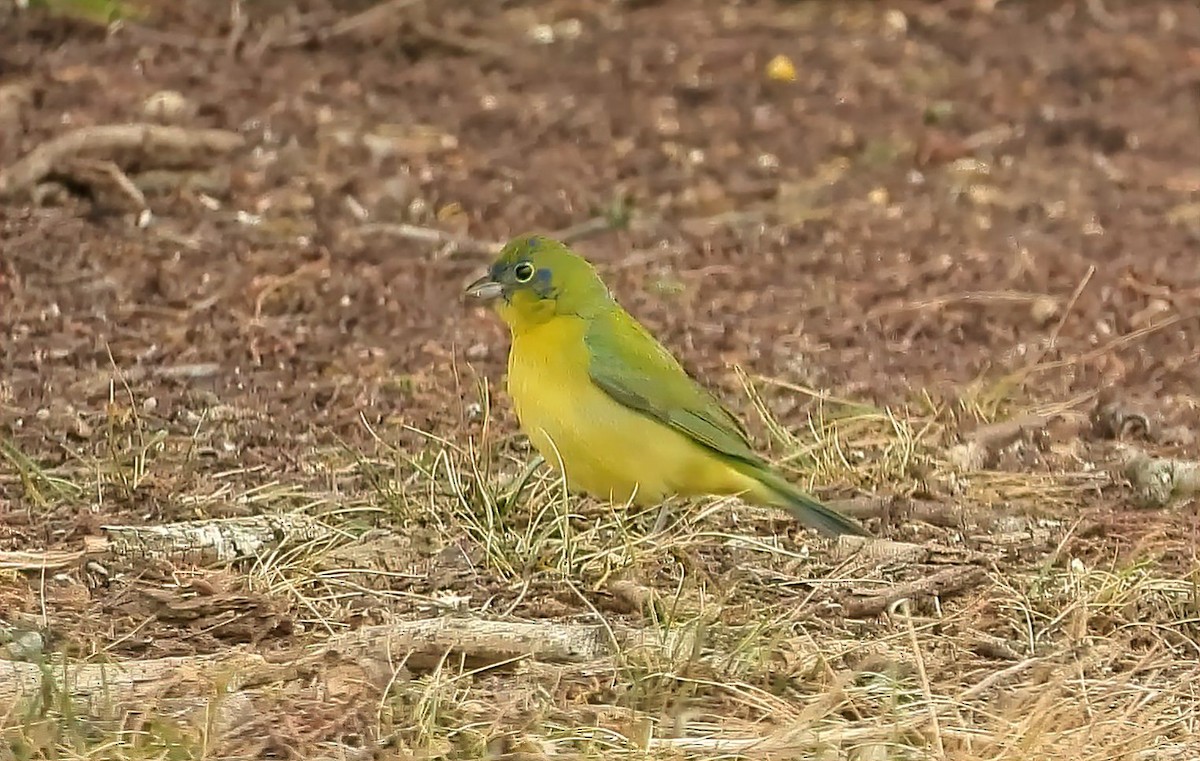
(629, 365)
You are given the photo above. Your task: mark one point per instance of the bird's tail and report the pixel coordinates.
(778, 492)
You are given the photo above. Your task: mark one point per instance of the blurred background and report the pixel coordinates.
(872, 197)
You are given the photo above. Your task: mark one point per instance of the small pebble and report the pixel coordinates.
(543, 34)
(781, 69)
(168, 107)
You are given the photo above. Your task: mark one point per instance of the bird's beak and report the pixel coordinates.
(485, 289)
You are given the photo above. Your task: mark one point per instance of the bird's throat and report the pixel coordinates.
(524, 311)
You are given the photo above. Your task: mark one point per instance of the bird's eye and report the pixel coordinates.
(523, 272)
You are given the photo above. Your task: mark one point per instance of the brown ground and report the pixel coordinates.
(948, 193)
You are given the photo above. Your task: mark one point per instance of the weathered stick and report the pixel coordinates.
(981, 445)
(198, 543)
(124, 144)
(496, 641)
(944, 583)
(213, 541)
(459, 244)
(93, 686)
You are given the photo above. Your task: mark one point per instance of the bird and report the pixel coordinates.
(607, 405)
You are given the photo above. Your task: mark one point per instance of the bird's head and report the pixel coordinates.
(535, 278)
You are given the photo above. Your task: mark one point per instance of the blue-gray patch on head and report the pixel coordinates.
(542, 283)
(533, 242)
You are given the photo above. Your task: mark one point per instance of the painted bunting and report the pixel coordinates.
(606, 404)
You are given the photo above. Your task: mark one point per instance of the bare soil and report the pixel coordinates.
(957, 210)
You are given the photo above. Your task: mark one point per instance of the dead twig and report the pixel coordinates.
(208, 542)
(995, 678)
(453, 244)
(125, 145)
(150, 36)
(371, 18)
(984, 443)
(97, 688)
(886, 551)
(378, 16)
(239, 22)
(479, 46)
(790, 742)
(923, 675)
(427, 641)
(590, 227)
(49, 560)
(895, 509)
(944, 583)
(1120, 342)
(110, 187)
(941, 302)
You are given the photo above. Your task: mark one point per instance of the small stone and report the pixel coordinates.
(1044, 310)
(543, 34)
(781, 69)
(896, 21)
(168, 107)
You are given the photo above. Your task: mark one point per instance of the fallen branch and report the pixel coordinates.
(126, 145)
(997, 677)
(417, 643)
(95, 688)
(453, 244)
(50, 560)
(213, 541)
(370, 19)
(213, 181)
(199, 543)
(943, 584)
(895, 509)
(110, 187)
(458, 244)
(888, 551)
(981, 446)
(790, 742)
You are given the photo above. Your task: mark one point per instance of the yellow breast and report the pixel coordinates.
(602, 447)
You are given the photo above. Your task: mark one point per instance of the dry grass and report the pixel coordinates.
(1055, 656)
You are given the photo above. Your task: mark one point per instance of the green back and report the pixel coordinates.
(635, 370)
